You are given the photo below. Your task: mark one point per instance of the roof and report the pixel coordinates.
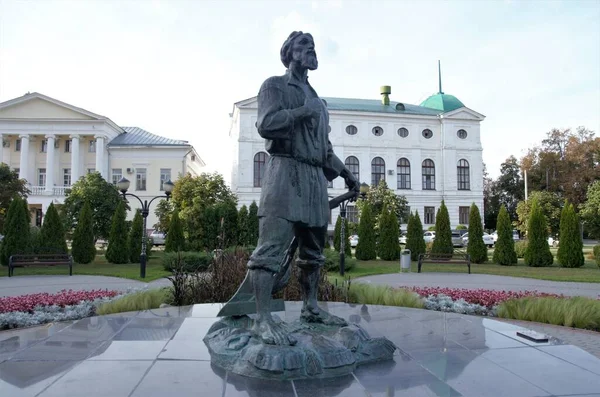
(375, 106)
(135, 136)
(442, 102)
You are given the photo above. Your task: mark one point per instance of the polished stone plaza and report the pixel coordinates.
(161, 353)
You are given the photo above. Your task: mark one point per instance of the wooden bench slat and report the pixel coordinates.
(444, 258)
(25, 260)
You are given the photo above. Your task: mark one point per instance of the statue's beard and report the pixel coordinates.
(309, 61)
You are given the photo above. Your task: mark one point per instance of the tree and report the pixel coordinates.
(366, 248)
(16, 231)
(52, 234)
(476, 247)
(83, 247)
(134, 241)
(491, 201)
(163, 212)
(570, 249)
(337, 234)
(228, 223)
(550, 205)
(381, 196)
(103, 197)
(243, 234)
(510, 187)
(414, 237)
(389, 247)
(175, 240)
(443, 235)
(504, 251)
(12, 187)
(538, 252)
(590, 210)
(253, 224)
(118, 251)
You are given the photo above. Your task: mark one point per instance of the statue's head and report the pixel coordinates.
(300, 48)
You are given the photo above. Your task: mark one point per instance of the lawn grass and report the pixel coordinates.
(143, 300)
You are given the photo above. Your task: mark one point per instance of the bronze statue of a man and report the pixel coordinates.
(293, 203)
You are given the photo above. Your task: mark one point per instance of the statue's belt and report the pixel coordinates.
(314, 163)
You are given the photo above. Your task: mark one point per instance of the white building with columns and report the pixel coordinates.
(52, 144)
(428, 153)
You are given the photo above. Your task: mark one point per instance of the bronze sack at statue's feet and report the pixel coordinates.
(314, 314)
(273, 333)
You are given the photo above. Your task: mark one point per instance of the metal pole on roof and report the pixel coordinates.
(440, 76)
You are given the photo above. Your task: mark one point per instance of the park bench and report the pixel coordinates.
(445, 258)
(38, 260)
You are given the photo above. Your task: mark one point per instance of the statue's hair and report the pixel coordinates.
(286, 50)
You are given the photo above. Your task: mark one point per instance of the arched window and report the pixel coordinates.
(427, 133)
(428, 172)
(260, 165)
(353, 165)
(462, 170)
(377, 171)
(351, 130)
(403, 173)
(403, 132)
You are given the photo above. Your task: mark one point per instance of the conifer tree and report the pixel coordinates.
(337, 232)
(253, 224)
(83, 247)
(16, 231)
(228, 223)
(504, 250)
(414, 237)
(243, 233)
(389, 231)
(443, 235)
(117, 251)
(135, 237)
(52, 235)
(476, 248)
(175, 240)
(366, 248)
(570, 248)
(538, 252)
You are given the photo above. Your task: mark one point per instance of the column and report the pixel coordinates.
(24, 158)
(75, 172)
(1, 148)
(100, 166)
(50, 164)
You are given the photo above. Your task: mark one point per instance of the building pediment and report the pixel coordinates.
(250, 103)
(38, 106)
(464, 113)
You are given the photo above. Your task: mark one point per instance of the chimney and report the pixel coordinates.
(385, 90)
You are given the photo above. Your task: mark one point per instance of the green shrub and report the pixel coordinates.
(383, 295)
(521, 248)
(35, 239)
(144, 300)
(414, 237)
(118, 251)
(570, 250)
(597, 254)
(175, 240)
(443, 235)
(16, 231)
(191, 261)
(332, 261)
(388, 248)
(431, 228)
(83, 246)
(367, 247)
(504, 251)
(476, 247)
(538, 251)
(578, 312)
(52, 234)
(253, 224)
(337, 232)
(228, 224)
(462, 227)
(243, 233)
(134, 240)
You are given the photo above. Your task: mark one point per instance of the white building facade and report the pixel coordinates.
(52, 144)
(428, 153)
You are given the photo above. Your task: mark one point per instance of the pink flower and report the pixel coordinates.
(26, 303)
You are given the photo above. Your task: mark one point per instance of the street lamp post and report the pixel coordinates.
(123, 185)
(343, 205)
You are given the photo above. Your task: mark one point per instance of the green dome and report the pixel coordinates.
(443, 102)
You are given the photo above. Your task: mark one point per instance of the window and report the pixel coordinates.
(41, 177)
(428, 172)
(427, 133)
(92, 146)
(403, 132)
(165, 176)
(68, 144)
(66, 177)
(193, 157)
(403, 173)
(352, 213)
(91, 170)
(5, 143)
(353, 165)
(377, 131)
(377, 171)
(351, 130)
(117, 174)
(462, 134)
(44, 146)
(140, 179)
(429, 216)
(260, 165)
(18, 145)
(406, 215)
(463, 175)
(463, 215)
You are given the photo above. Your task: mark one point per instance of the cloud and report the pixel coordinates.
(327, 4)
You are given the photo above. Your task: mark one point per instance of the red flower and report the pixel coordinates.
(26, 303)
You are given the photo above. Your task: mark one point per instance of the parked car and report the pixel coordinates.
(402, 238)
(158, 238)
(457, 240)
(487, 239)
(494, 235)
(353, 241)
(429, 236)
(552, 242)
(516, 235)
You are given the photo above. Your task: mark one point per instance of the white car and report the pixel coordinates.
(353, 241)
(487, 239)
(552, 242)
(402, 238)
(158, 238)
(429, 236)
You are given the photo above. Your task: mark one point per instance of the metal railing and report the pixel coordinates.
(41, 190)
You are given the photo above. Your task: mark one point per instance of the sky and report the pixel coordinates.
(175, 68)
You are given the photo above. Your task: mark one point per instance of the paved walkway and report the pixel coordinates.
(486, 281)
